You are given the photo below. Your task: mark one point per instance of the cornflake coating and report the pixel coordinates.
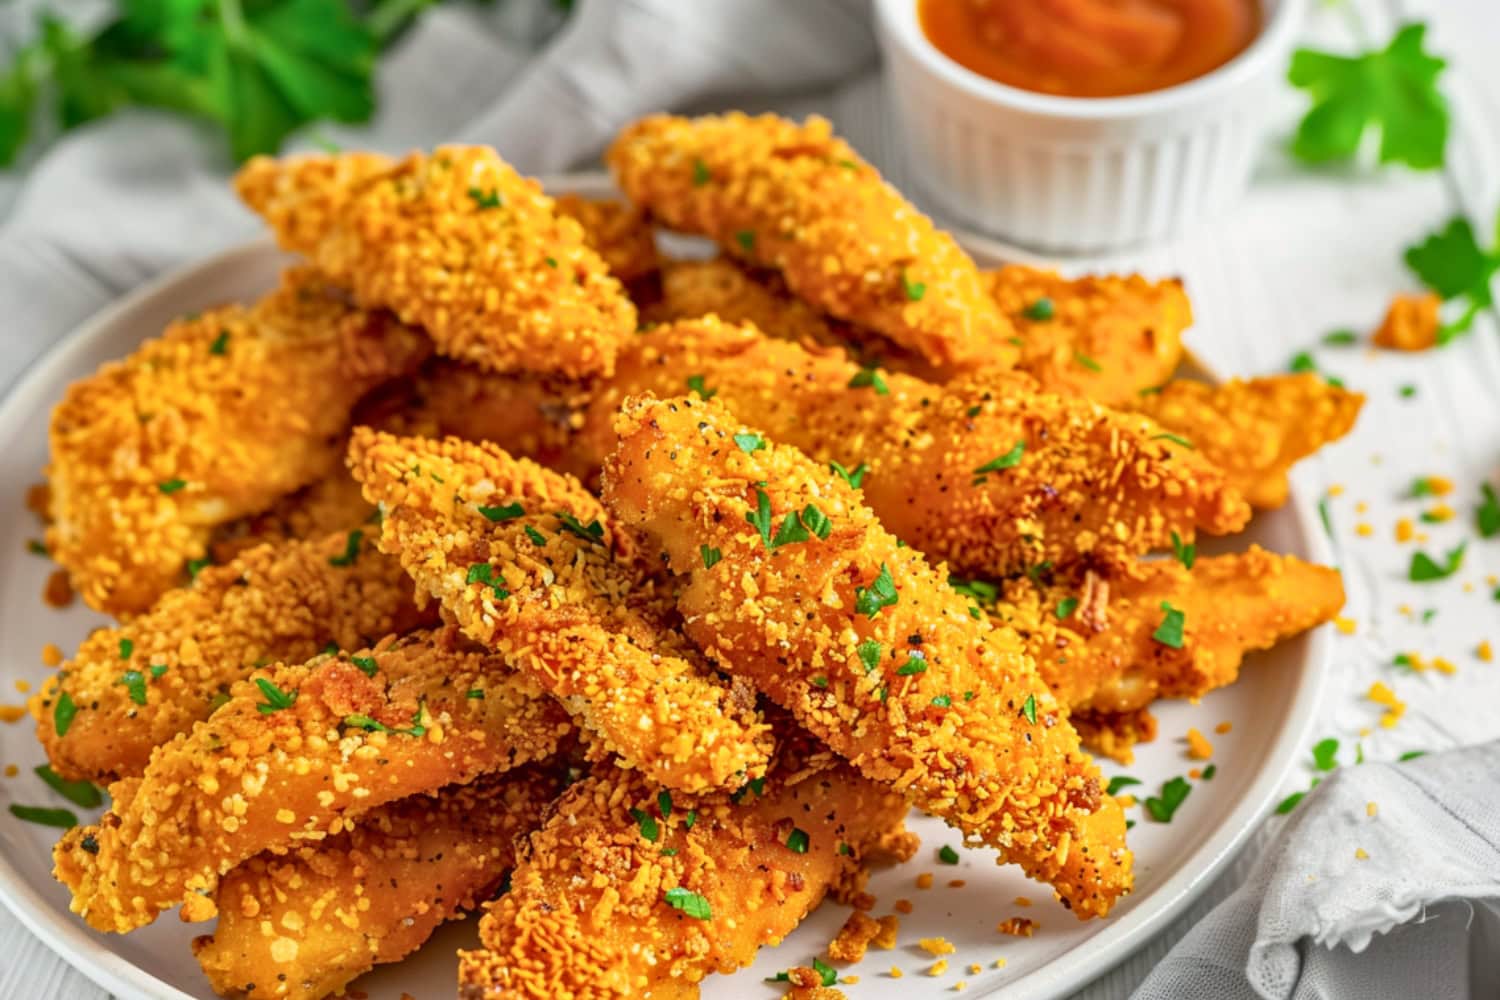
(331, 504)
(590, 912)
(1102, 337)
(865, 643)
(617, 232)
(798, 200)
(854, 938)
(304, 925)
(215, 419)
(552, 583)
(458, 243)
(1256, 429)
(1064, 480)
(292, 758)
(138, 685)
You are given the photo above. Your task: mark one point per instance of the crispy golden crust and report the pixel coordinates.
(250, 779)
(303, 926)
(458, 243)
(911, 689)
(1090, 483)
(211, 421)
(1102, 656)
(323, 507)
(796, 199)
(617, 232)
(136, 686)
(551, 595)
(1102, 337)
(1256, 429)
(587, 914)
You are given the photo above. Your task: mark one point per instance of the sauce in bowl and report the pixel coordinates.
(1091, 48)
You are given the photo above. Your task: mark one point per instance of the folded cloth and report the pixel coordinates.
(1385, 882)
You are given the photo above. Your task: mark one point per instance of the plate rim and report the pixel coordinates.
(69, 939)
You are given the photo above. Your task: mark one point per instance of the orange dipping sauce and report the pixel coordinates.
(1091, 48)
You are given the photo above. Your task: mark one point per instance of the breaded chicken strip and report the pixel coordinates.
(294, 755)
(985, 473)
(525, 561)
(1256, 429)
(131, 688)
(305, 925)
(798, 200)
(791, 582)
(458, 243)
(1105, 338)
(617, 232)
(216, 419)
(626, 892)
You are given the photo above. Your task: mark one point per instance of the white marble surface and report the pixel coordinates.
(1309, 252)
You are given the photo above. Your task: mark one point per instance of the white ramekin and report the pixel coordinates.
(1072, 175)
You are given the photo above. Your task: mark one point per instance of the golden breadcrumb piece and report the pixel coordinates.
(986, 472)
(524, 559)
(294, 755)
(1256, 429)
(626, 892)
(1098, 638)
(323, 507)
(812, 600)
(131, 688)
(303, 926)
(458, 243)
(215, 419)
(854, 938)
(617, 232)
(798, 200)
(1102, 337)
(1115, 734)
(1411, 324)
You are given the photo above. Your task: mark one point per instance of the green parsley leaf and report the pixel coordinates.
(746, 239)
(366, 664)
(701, 173)
(135, 685)
(220, 345)
(689, 819)
(1169, 632)
(688, 902)
(276, 699)
(1120, 781)
(474, 694)
(1176, 439)
(1302, 361)
(868, 652)
(1210, 771)
(1326, 754)
(827, 974)
(504, 512)
(649, 830)
(790, 532)
(872, 378)
(1404, 660)
(485, 200)
(537, 538)
(664, 803)
(1411, 755)
(695, 383)
(60, 818)
(62, 713)
(1162, 808)
(1340, 338)
(593, 532)
(1289, 803)
(1487, 514)
(1009, 460)
(1394, 89)
(1325, 516)
(1452, 264)
(1424, 568)
(797, 841)
(1407, 391)
(196, 566)
(171, 485)
(943, 701)
(1084, 361)
(1186, 554)
(749, 443)
(36, 548)
(1028, 709)
(127, 648)
(1422, 487)
(981, 590)
(1066, 607)
(760, 517)
(351, 550)
(157, 669)
(916, 663)
(855, 478)
(820, 681)
(1041, 310)
(367, 723)
(84, 794)
(914, 289)
(881, 593)
(710, 556)
(815, 521)
(947, 855)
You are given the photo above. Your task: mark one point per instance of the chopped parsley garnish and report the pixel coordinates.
(914, 289)
(1041, 569)
(591, 532)
(1340, 338)
(1120, 781)
(981, 590)
(688, 902)
(1407, 391)
(916, 663)
(484, 200)
(475, 694)
(746, 239)
(220, 345)
(1009, 460)
(504, 512)
(1186, 552)
(1404, 660)
(157, 669)
(1028, 709)
(1066, 607)
(36, 548)
(1411, 755)
(366, 664)
(854, 478)
(695, 383)
(127, 647)
(1422, 487)
(1176, 439)
(868, 652)
(1302, 362)
(710, 556)
(827, 974)
(790, 532)
(647, 825)
(1041, 310)
(276, 699)
(689, 819)
(135, 685)
(1173, 794)
(701, 173)
(968, 696)
(669, 852)
(1169, 632)
(84, 794)
(1325, 517)
(171, 485)
(760, 517)
(1085, 361)
(942, 701)
(1210, 771)
(820, 681)
(947, 855)
(664, 803)
(537, 538)
(816, 521)
(1487, 514)
(870, 377)
(1453, 264)
(351, 550)
(196, 566)
(485, 573)
(60, 818)
(551, 261)
(881, 593)
(1326, 754)
(749, 443)
(1424, 568)
(1289, 803)
(797, 841)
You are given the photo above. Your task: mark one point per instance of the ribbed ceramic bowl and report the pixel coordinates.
(1072, 175)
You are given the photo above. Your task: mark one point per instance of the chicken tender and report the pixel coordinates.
(791, 582)
(131, 688)
(525, 560)
(294, 755)
(1105, 338)
(986, 472)
(458, 243)
(618, 233)
(625, 892)
(798, 200)
(216, 419)
(1256, 429)
(303, 926)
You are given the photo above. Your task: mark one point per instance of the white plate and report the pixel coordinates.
(1272, 708)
